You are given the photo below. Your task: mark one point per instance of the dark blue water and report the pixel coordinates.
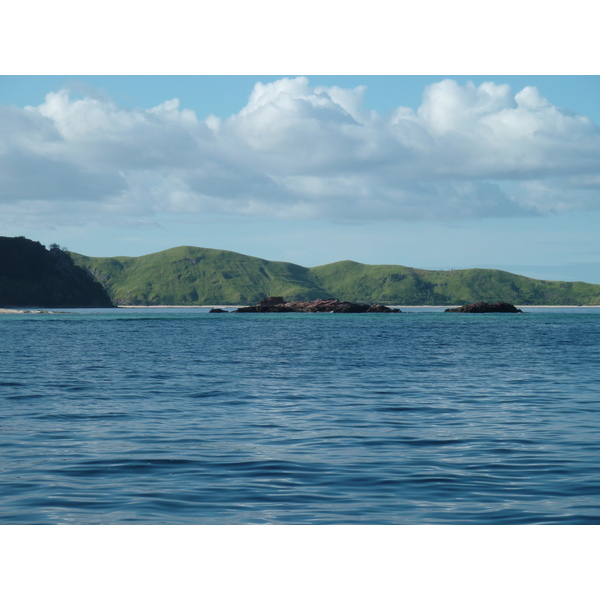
(182, 417)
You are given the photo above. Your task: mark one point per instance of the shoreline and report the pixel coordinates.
(38, 311)
(524, 306)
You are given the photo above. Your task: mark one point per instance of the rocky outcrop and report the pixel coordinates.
(485, 307)
(331, 305)
(270, 304)
(380, 308)
(217, 310)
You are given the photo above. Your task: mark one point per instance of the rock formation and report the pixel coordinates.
(331, 305)
(485, 307)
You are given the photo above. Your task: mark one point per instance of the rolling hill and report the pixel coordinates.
(188, 275)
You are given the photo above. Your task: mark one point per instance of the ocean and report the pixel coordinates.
(178, 416)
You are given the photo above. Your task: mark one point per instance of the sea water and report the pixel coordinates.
(166, 416)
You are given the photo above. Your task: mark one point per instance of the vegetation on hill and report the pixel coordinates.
(31, 275)
(187, 275)
(403, 285)
(194, 276)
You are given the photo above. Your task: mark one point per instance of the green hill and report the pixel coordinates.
(31, 275)
(402, 285)
(194, 276)
(188, 276)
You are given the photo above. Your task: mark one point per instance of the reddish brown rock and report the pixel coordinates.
(330, 305)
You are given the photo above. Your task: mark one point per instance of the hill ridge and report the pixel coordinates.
(193, 275)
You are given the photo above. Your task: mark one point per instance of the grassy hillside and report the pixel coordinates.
(402, 285)
(377, 283)
(194, 276)
(187, 275)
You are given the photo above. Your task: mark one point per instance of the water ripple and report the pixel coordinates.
(182, 418)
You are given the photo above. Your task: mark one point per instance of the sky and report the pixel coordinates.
(423, 170)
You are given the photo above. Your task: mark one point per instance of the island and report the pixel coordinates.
(276, 304)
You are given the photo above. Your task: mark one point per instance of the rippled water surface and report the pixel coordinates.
(183, 417)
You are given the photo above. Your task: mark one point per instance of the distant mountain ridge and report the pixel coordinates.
(188, 275)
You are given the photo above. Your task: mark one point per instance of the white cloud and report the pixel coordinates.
(297, 151)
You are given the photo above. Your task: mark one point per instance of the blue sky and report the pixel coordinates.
(433, 172)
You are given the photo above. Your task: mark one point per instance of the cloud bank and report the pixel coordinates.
(301, 152)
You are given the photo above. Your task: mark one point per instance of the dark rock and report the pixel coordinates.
(485, 307)
(264, 309)
(330, 305)
(245, 309)
(275, 308)
(271, 301)
(270, 304)
(217, 310)
(380, 308)
(351, 307)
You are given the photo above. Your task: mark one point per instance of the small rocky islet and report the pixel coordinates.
(276, 304)
(486, 307)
